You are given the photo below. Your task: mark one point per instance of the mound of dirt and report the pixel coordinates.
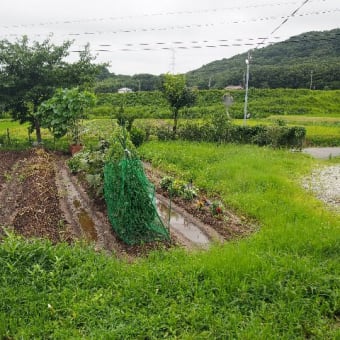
(29, 197)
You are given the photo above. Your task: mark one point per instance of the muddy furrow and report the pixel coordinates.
(87, 222)
(187, 230)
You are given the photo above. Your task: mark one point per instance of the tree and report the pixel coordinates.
(63, 112)
(30, 73)
(177, 94)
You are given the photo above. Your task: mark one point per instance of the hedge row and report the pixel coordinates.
(275, 136)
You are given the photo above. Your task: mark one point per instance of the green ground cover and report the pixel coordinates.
(281, 283)
(262, 103)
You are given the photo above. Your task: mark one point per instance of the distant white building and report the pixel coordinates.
(124, 90)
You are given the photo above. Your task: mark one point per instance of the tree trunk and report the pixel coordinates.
(37, 131)
(174, 128)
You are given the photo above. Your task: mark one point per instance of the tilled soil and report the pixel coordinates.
(7, 160)
(39, 197)
(29, 198)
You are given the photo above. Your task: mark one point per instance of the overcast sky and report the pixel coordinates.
(144, 36)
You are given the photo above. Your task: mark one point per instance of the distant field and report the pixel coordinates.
(321, 131)
(262, 103)
(308, 120)
(317, 111)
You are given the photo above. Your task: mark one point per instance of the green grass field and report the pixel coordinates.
(281, 283)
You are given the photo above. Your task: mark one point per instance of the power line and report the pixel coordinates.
(290, 16)
(198, 46)
(101, 19)
(237, 41)
(180, 27)
(286, 19)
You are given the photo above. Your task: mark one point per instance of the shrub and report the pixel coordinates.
(164, 133)
(178, 188)
(166, 182)
(137, 135)
(102, 110)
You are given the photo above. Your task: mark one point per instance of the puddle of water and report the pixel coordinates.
(182, 225)
(87, 225)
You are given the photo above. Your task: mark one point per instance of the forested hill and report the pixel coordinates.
(309, 59)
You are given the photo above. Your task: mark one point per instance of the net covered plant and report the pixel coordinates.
(129, 196)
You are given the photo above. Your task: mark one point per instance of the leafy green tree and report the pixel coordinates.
(30, 73)
(64, 111)
(177, 94)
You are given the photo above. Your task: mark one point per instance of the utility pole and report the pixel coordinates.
(209, 83)
(311, 80)
(246, 95)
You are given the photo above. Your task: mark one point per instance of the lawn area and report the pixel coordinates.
(19, 135)
(281, 283)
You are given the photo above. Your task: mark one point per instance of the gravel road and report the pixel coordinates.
(325, 183)
(323, 153)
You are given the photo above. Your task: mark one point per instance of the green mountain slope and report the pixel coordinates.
(307, 60)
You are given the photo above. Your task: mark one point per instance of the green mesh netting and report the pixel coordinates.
(130, 200)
